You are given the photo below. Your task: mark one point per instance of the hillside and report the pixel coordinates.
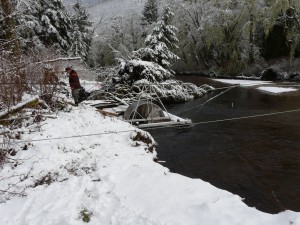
(115, 8)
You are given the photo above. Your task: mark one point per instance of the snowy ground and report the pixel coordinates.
(108, 178)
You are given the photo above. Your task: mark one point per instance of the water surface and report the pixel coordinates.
(257, 158)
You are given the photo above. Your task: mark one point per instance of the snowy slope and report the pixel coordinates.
(113, 179)
(115, 8)
(85, 2)
(104, 10)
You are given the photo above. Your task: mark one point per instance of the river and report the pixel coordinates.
(256, 158)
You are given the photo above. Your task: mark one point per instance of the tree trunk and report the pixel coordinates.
(12, 49)
(251, 40)
(10, 28)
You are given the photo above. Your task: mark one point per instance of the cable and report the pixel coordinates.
(248, 117)
(194, 124)
(230, 119)
(228, 89)
(70, 137)
(221, 88)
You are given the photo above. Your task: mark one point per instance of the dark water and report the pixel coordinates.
(257, 158)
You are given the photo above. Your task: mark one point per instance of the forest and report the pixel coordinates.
(228, 37)
(215, 38)
(223, 37)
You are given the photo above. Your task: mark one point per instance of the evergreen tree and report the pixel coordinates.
(40, 23)
(55, 25)
(159, 41)
(150, 12)
(82, 35)
(46, 23)
(29, 24)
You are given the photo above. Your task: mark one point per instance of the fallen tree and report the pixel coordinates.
(32, 101)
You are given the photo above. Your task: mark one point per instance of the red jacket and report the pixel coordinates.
(74, 80)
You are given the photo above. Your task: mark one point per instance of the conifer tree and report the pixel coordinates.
(42, 23)
(82, 35)
(28, 26)
(150, 12)
(46, 23)
(159, 41)
(55, 26)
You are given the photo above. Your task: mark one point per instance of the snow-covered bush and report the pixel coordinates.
(134, 70)
(137, 76)
(151, 66)
(29, 87)
(172, 91)
(169, 91)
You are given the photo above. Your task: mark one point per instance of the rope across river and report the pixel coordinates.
(209, 100)
(194, 124)
(237, 118)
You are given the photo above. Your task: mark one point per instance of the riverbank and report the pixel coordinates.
(84, 167)
(272, 73)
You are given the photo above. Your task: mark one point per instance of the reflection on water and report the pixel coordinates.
(257, 158)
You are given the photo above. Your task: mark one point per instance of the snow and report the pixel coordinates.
(90, 86)
(113, 178)
(277, 90)
(270, 89)
(19, 105)
(243, 82)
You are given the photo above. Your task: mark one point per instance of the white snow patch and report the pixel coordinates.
(277, 90)
(19, 105)
(243, 82)
(91, 85)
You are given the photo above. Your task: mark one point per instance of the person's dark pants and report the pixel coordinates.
(75, 94)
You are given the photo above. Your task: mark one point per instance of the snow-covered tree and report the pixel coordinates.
(41, 23)
(150, 12)
(159, 42)
(28, 24)
(218, 35)
(55, 24)
(116, 38)
(82, 34)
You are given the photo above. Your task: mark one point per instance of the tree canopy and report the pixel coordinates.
(159, 42)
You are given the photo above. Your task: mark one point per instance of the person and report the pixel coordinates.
(74, 84)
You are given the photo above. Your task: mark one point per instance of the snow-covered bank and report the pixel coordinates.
(113, 179)
(243, 82)
(277, 90)
(249, 83)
